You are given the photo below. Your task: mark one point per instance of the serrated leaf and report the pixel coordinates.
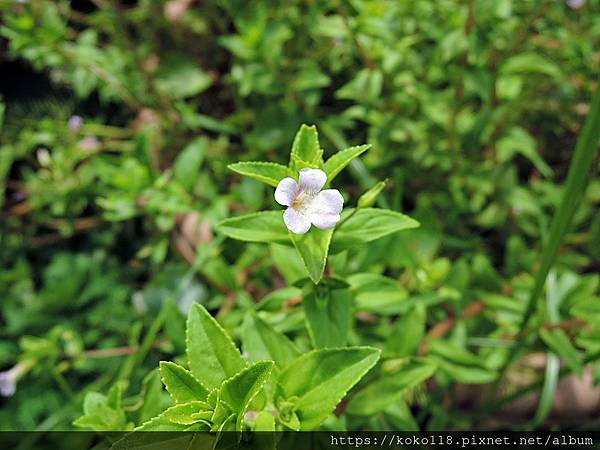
(328, 315)
(306, 148)
(368, 224)
(559, 342)
(389, 388)
(181, 384)
(212, 355)
(264, 226)
(185, 413)
(321, 378)
(338, 161)
(265, 172)
(313, 248)
(261, 342)
(238, 391)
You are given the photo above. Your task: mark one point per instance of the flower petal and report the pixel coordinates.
(286, 191)
(325, 221)
(296, 222)
(312, 180)
(324, 211)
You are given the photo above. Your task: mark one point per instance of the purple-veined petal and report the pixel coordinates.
(296, 222)
(312, 180)
(286, 191)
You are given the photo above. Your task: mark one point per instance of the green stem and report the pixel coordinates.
(575, 185)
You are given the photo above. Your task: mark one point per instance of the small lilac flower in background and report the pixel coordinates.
(75, 123)
(307, 203)
(575, 4)
(8, 379)
(89, 143)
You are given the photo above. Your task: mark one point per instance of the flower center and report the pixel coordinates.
(303, 199)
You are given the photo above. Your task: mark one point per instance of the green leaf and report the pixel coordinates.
(328, 315)
(212, 356)
(336, 163)
(186, 413)
(181, 384)
(266, 172)
(306, 148)
(559, 342)
(154, 399)
(366, 225)
(530, 62)
(187, 165)
(238, 391)
(408, 332)
(460, 364)
(321, 378)
(390, 388)
(99, 415)
(313, 248)
(368, 198)
(158, 423)
(261, 342)
(179, 77)
(264, 226)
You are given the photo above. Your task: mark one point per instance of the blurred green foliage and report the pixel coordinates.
(107, 224)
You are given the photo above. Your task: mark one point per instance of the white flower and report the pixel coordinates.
(307, 203)
(575, 4)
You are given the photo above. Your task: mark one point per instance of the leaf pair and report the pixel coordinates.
(313, 247)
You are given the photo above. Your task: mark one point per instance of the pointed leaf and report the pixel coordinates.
(181, 384)
(306, 148)
(261, 342)
(266, 172)
(313, 248)
(328, 316)
(238, 391)
(264, 226)
(368, 224)
(321, 378)
(212, 356)
(336, 163)
(186, 413)
(559, 342)
(388, 389)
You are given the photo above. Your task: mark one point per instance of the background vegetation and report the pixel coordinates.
(119, 118)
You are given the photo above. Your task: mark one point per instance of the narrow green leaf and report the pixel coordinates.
(239, 390)
(366, 225)
(369, 198)
(321, 378)
(264, 226)
(212, 356)
(262, 342)
(328, 315)
(336, 163)
(181, 384)
(559, 342)
(459, 363)
(306, 147)
(576, 183)
(390, 388)
(313, 248)
(266, 172)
